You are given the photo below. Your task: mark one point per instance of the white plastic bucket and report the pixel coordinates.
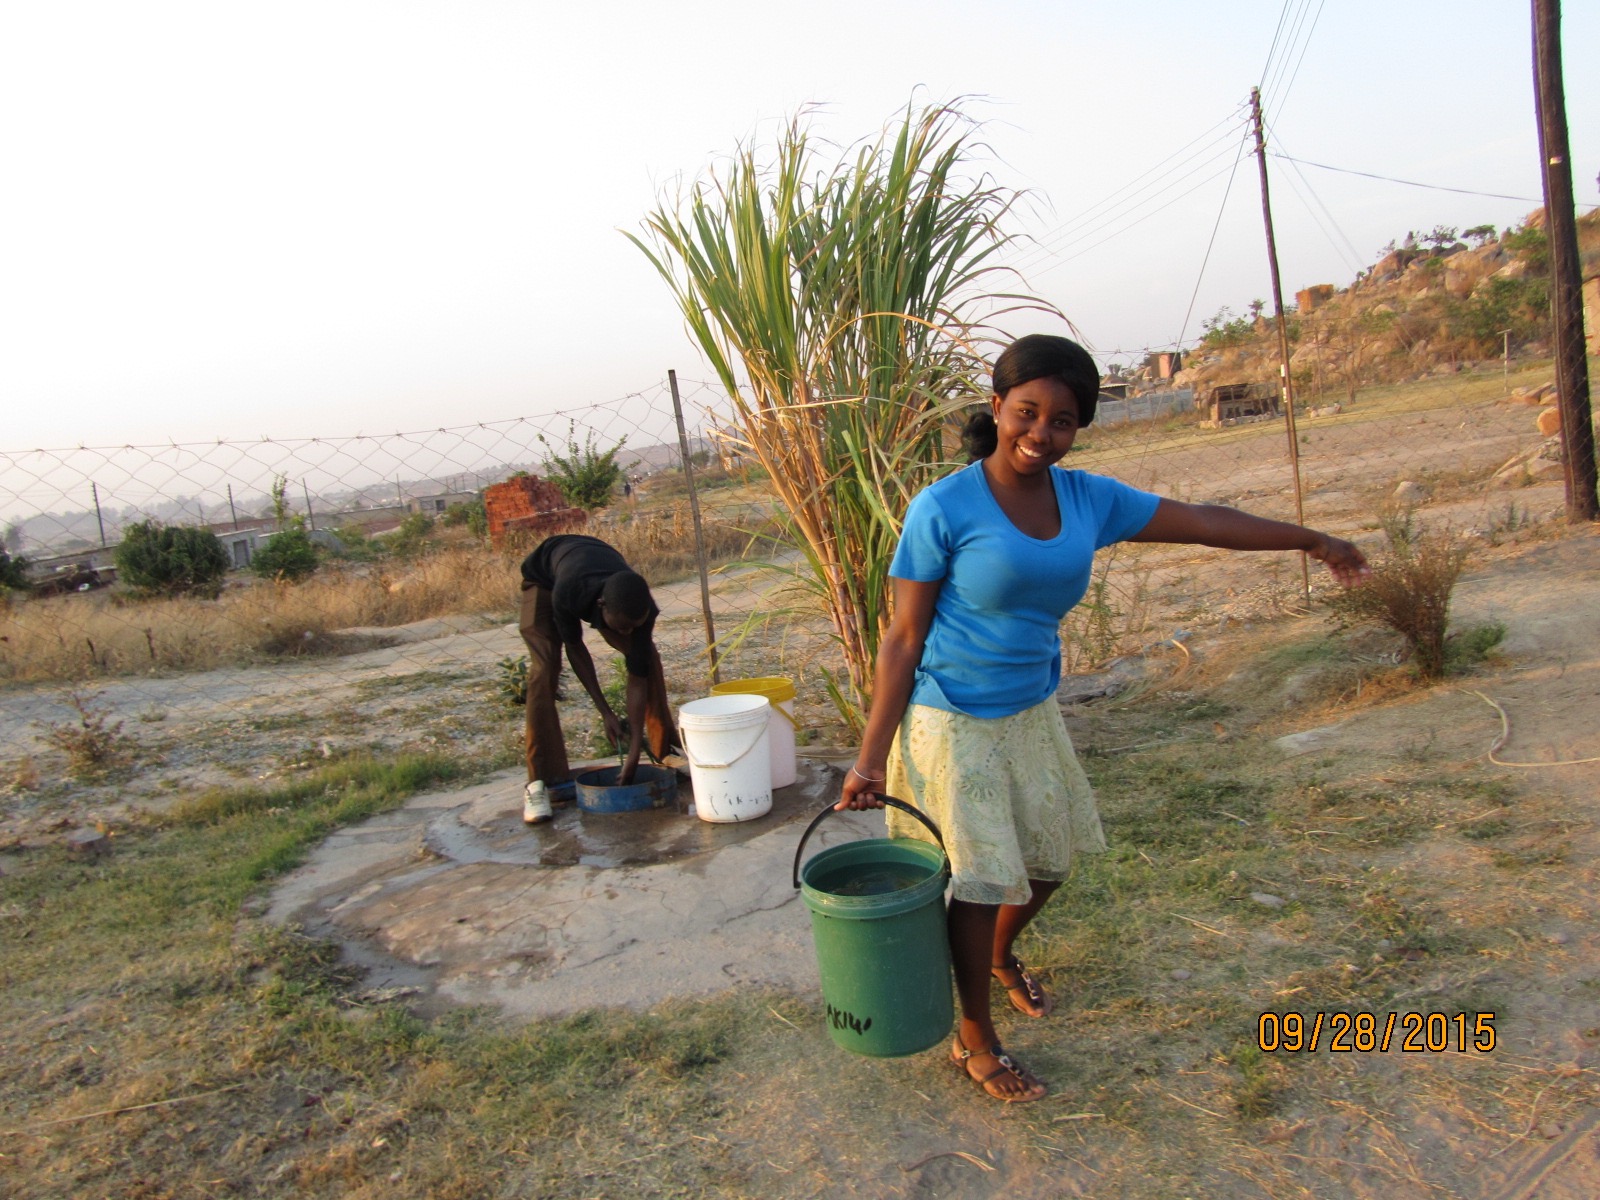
(725, 739)
(779, 692)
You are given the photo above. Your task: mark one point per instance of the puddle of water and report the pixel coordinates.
(604, 840)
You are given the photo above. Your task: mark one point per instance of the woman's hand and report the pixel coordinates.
(863, 788)
(1348, 564)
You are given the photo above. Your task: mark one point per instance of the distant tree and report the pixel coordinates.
(1224, 330)
(1256, 308)
(171, 560)
(586, 476)
(1355, 340)
(1440, 237)
(13, 572)
(1479, 235)
(1531, 245)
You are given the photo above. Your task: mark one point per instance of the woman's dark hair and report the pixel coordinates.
(628, 595)
(1036, 356)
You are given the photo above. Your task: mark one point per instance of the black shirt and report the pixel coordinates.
(574, 568)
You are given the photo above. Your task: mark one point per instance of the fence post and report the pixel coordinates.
(311, 517)
(699, 534)
(94, 490)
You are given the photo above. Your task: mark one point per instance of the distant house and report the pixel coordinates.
(1230, 403)
(436, 505)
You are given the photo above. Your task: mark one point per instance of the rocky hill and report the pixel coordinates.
(1428, 305)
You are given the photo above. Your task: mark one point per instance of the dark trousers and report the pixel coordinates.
(545, 748)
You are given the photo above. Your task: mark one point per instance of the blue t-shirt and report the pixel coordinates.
(994, 645)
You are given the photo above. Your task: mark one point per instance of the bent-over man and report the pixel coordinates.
(567, 580)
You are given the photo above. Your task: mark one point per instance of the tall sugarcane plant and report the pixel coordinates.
(855, 298)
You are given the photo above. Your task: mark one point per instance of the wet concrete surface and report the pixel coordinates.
(455, 899)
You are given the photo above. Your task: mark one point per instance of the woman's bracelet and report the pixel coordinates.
(868, 778)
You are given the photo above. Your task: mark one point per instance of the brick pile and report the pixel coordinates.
(527, 504)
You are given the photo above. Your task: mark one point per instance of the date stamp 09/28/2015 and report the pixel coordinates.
(1353, 1032)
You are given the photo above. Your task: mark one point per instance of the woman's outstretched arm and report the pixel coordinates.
(1230, 529)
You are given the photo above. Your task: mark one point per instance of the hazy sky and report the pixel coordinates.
(227, 219)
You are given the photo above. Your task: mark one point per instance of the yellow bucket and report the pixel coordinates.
(779, 692)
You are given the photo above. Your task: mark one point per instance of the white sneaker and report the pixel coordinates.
(536, 803)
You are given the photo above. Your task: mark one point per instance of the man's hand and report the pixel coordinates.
(616, 728)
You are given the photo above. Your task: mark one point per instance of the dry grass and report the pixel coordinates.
(101, 634)
(81, 637)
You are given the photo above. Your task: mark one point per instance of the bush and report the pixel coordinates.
(470, 514)
(412, 536)
(1409, 590)
(289, 556)
(587, 477)
(13, 572)
(171, 560)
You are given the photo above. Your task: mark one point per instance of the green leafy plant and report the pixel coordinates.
(471, 514)
(839, 305)
(288, 555)
(586, 475)
(512, 684)
(412, 535)
(171, 560)
(1223, 330)
(1409, 589)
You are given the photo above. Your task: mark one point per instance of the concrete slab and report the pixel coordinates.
(455, 898)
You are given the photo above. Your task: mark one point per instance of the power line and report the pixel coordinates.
(1184, 328)
(1354, 260)
(1073, 234)
(1280, 99)
(1408, 182)
(1130, 195)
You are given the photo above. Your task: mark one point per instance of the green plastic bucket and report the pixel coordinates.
(878, 922)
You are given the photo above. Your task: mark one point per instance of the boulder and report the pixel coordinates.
(1549, 421)
(1409, 492)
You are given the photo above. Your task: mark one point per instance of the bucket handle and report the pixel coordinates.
(718, 766)
(888, 800)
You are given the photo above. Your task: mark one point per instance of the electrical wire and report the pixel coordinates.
(1437, 187)
(1130, 196)
(1055, 247)
(1280, 99)
(1189, 312)
(1353, 258)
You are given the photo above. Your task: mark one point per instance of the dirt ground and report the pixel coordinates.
(1522, 1122)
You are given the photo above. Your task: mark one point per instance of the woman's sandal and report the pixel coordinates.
(1033, 1000)
(1033, 1086)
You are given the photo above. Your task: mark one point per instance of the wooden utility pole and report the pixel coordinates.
(1283, 337)
(1566, 278)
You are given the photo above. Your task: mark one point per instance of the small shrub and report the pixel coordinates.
(289, 556)
(513, 683)
(13, 572)
(171, 560)
(586, 476)
(1409, 589)
(412, 536)
(471, 514)
(95, 746)
(1469, 647)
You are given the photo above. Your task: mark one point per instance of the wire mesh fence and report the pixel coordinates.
(406, 632)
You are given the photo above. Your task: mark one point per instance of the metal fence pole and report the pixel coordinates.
(699, 533)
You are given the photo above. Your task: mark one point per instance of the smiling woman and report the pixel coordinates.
(964, 719)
